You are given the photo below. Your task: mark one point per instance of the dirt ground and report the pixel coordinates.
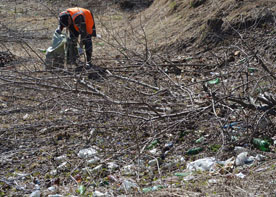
(178, 71)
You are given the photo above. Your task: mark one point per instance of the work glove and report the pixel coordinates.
(58, 31)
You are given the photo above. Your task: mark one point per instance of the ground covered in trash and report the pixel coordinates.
(185, 108)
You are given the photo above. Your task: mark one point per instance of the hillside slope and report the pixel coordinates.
(178, 24)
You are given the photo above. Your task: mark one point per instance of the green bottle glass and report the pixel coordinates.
(262, 145)
(152, 145)
(194, 151)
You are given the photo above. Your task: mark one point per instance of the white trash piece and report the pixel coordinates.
(240, 175)
(87, 153)
(241, 159)
(205, 164)
(35, 193)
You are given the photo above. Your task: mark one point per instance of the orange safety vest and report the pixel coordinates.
(89, 21)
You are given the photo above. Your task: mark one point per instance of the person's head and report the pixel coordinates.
(64, 19)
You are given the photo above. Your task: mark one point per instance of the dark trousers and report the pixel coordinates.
(72, 51)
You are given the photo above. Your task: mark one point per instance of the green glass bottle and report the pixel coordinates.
(152, 145)
(262, 145)
(194, 151)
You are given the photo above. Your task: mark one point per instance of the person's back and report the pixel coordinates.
(80, 22)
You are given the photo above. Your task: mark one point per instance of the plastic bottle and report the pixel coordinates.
(262, 145)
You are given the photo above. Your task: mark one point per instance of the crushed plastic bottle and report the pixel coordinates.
(262, 145)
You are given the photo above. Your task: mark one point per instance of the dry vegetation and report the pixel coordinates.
(178, 71)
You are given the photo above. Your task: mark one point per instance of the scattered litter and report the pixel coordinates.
(99, 194)
(214, 81)
(205, 164)
(261, 144)
(128, 184)
(240, 175)
(154, 188)
(194, 151)
(87, 153)
(241, 159)
(61, 158)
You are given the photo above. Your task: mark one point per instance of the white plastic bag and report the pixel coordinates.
(55, 54)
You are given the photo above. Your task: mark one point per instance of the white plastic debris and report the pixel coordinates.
(153, 151)
(250, 160)
(189, 177)
(87, 153)
(129, 170)
(260, 157)
(61, 158)
(94, 160)
(62, 166)
(52, 188)
(241, 159)
(153, 162)
(112, 165)
(53, 172)
(35, 193)
(26, 116)
(240, 175)
(205, 164)
(239, 149)
(97, 168)
(98, 194)
(212, 181)
(128, 185)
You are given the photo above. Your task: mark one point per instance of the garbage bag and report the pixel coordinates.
(55, 54)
